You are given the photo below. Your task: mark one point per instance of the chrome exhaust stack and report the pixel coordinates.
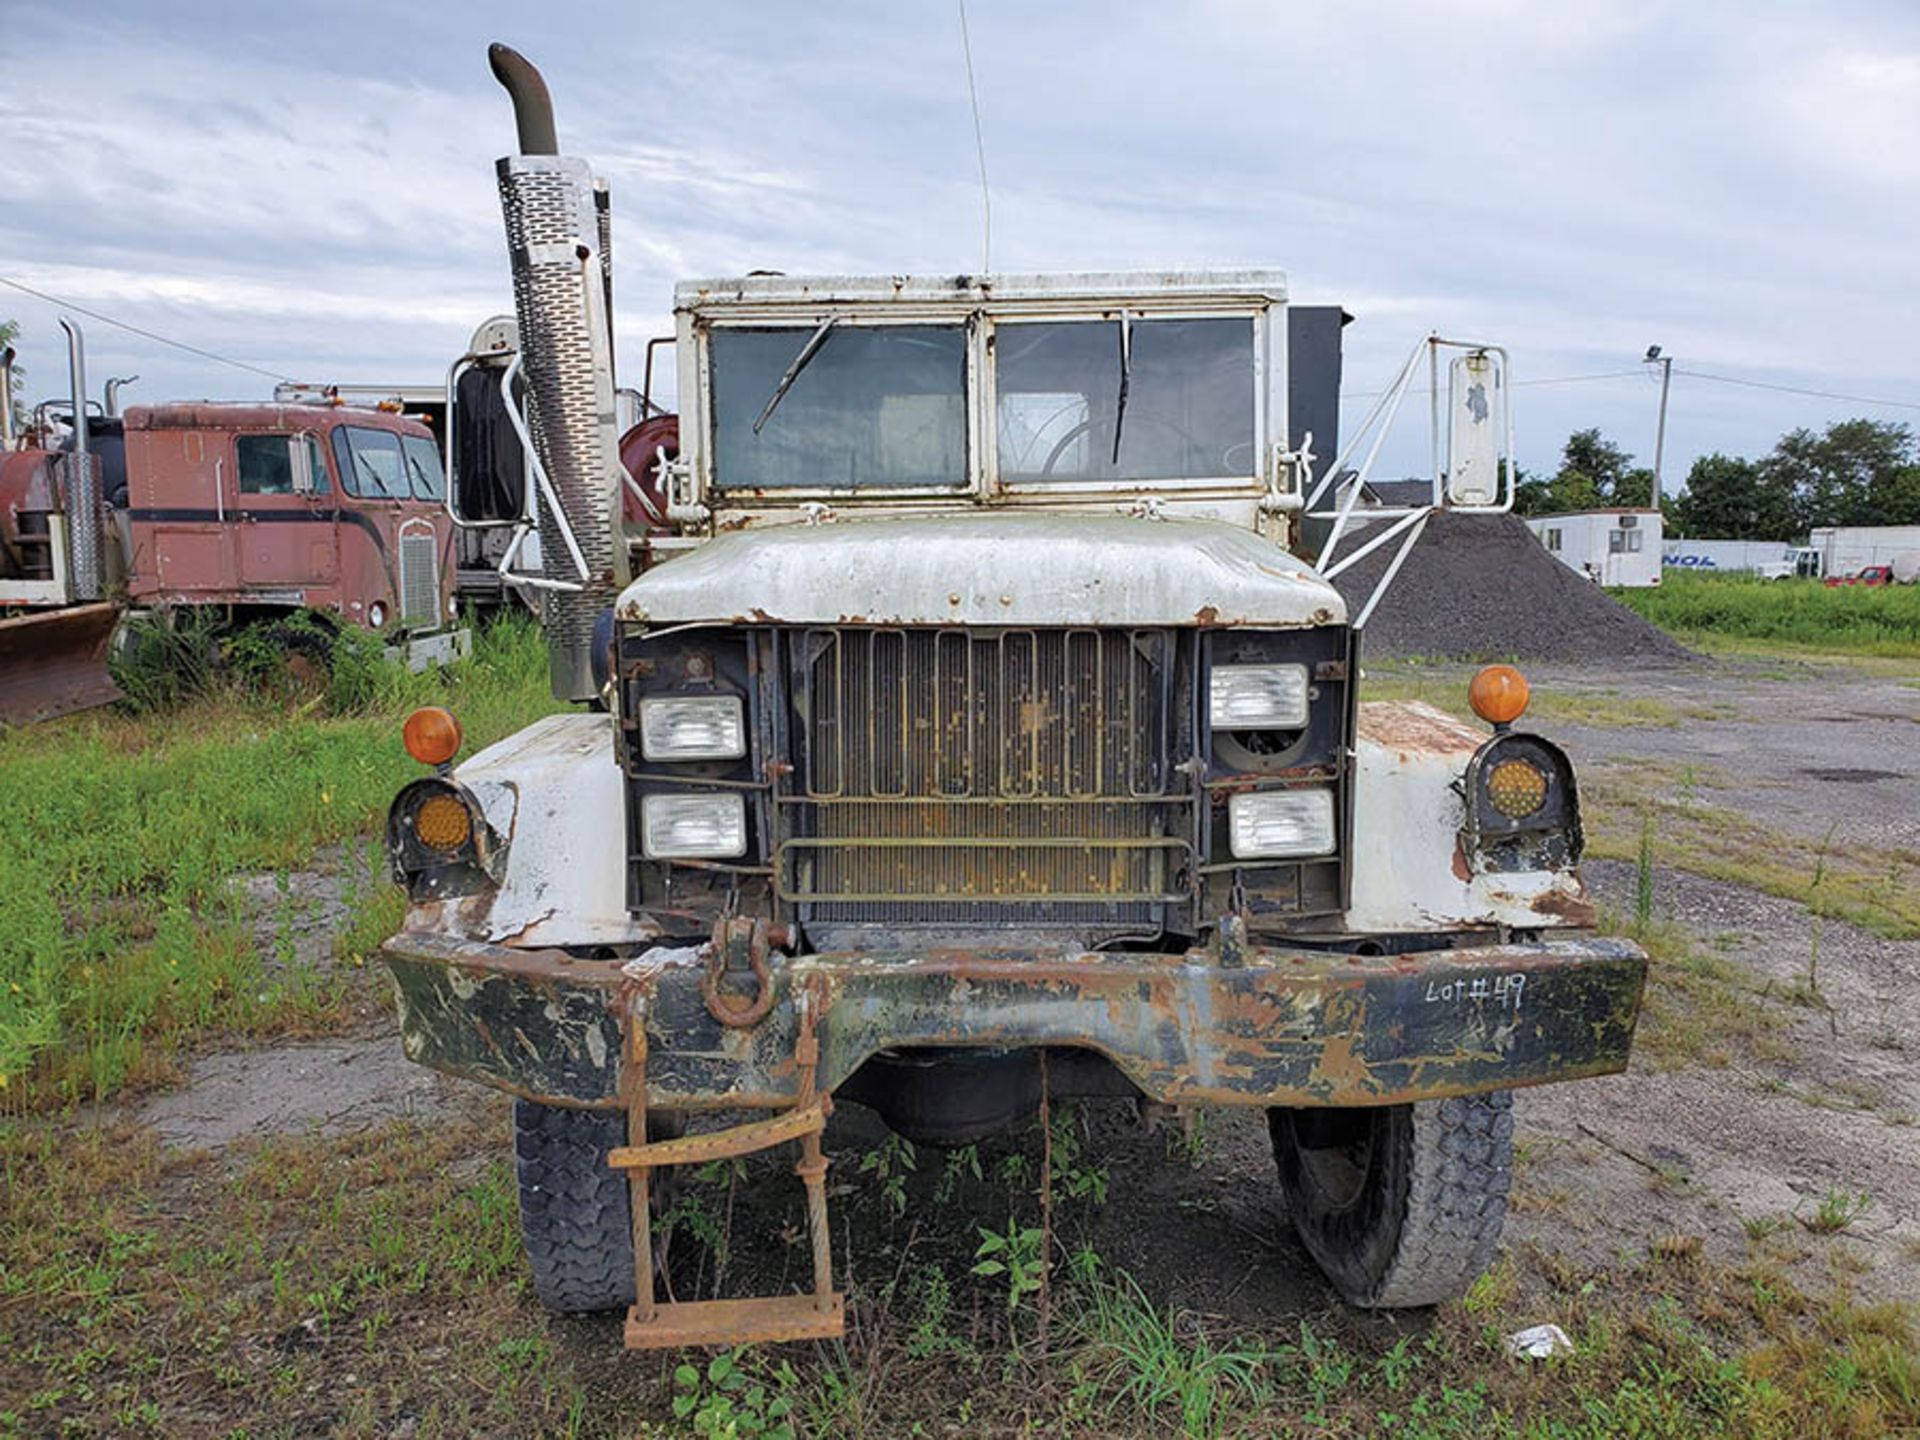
(6, 399)
(82, 481)
(558, 237)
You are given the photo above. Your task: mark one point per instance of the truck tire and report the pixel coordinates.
(1400, 1205)
(575, 1220)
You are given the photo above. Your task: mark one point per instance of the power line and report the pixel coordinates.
(1798, 390)
(136, 330)
(1549, 380)
(979, 148)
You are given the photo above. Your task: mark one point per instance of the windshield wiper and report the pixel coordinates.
(800, 362)
(1126, 381)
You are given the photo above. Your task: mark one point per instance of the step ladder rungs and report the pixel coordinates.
(722, 1144)
(758, 1320)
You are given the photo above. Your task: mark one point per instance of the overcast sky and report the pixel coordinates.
(310, 189)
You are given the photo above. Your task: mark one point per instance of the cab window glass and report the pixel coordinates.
(266, 464)
(371, 465)
(1161, 400)
(423, 467)
(280, 465)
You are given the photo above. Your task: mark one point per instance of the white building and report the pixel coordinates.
(1609, 547)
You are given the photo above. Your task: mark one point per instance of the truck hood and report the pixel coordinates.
(987, 569)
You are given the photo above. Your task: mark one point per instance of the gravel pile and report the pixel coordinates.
(1482, 587)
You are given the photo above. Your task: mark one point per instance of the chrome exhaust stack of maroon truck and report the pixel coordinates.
(559, 246)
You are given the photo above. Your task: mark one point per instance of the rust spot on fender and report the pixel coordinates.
(1574, 909)
(1207, 615)
(1410, 725)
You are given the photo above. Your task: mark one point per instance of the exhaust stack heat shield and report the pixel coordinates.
(555, 242)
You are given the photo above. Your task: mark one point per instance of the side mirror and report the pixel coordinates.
(1476, 428)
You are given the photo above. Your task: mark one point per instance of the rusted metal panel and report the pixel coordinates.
(754, 1321)
(1259, 1027)
(55, 662)
(962, 294)
(1409, 873)
(534, 1023)
(987, 569)
(551, 793)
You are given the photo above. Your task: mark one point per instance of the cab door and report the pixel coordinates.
(285, 535)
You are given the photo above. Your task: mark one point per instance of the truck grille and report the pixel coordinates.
(419, 579)
(982, 777)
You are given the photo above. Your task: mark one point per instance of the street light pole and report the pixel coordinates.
(1665, 362)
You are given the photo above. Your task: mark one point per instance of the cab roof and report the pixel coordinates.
(967, 291)
(247, 415)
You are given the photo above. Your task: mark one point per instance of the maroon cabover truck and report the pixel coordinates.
(255, 509)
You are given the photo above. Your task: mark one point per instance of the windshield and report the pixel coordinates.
(370, 463)
(1148, 400)
(423, 467)
(872, 407)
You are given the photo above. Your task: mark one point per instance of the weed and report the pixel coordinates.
(1014, 1255)
(959, 1163)
(1137, 1354)
(1836, 1211)
(890, 1164)
(1643, 879)
(726, 1403)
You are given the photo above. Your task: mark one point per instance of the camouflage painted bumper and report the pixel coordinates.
(1264, 1027)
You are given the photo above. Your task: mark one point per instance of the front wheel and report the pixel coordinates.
(1400, 1205)
(575, 1218)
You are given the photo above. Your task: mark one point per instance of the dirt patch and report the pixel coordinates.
(297, 915)
(323, 1087)
(1482, 587)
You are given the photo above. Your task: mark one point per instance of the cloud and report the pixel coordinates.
(314, 192)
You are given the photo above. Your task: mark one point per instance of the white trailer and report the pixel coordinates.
(1849, 549)
(1769, 559)
(1609, 547)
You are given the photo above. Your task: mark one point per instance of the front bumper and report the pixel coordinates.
(1264, 1027)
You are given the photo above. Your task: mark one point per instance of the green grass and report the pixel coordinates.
(1800, 613)
(121, 931)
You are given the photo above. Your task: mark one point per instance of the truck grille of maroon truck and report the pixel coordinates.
(419, 578)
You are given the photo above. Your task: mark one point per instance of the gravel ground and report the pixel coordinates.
(1805, 749)
(1481, 586)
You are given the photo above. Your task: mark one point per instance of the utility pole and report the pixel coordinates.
(1665, 362)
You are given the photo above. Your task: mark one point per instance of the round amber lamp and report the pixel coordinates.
(1498, 694)
(442, 822)
(1517, 788)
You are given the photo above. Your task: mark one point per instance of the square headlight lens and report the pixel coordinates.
(1258, 697)
(693, 827)
(692, 727)
(1276, 824)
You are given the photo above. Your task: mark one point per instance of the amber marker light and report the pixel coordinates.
(1498, 695)
(432, 735)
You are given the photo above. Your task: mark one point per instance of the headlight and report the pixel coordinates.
(692, 727)
(1280, 823)
(693, 827)
(1258, 697)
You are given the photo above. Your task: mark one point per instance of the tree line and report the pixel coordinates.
(1855, 472)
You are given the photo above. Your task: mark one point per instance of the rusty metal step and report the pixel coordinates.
(759, 1320)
